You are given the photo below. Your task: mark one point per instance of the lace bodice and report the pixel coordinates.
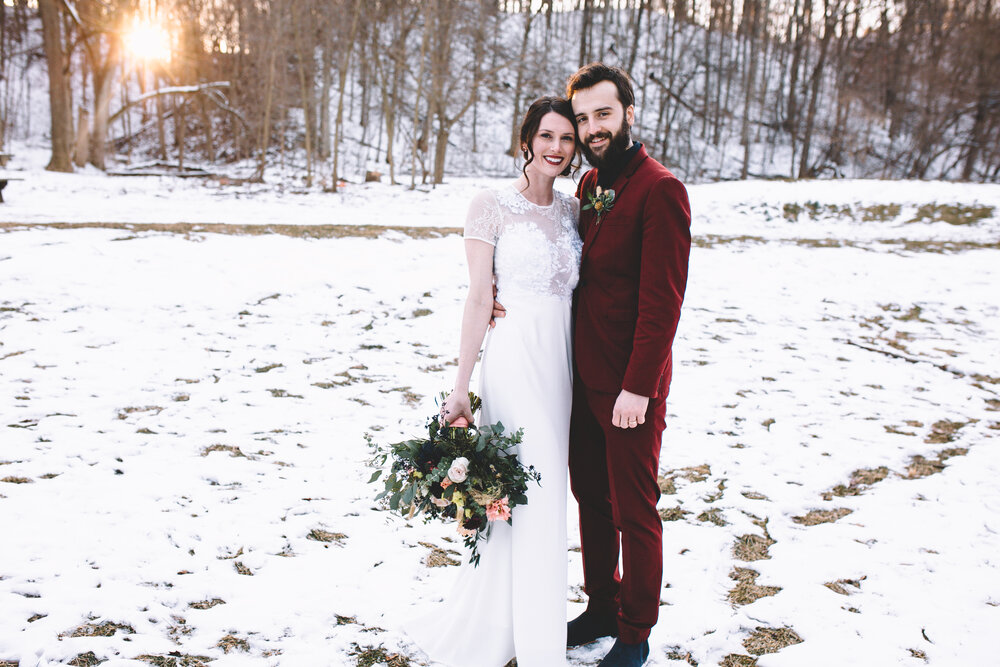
(537, 248)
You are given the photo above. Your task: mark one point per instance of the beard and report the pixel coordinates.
(618, 143)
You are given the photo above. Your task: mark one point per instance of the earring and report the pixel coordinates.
(525, 153)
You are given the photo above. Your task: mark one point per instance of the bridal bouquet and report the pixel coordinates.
(465, 474)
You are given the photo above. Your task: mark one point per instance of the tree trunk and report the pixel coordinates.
(58, 86)
(829, 14)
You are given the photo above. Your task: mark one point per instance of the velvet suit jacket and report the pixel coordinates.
(633, 274)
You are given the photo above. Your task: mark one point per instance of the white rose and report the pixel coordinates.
(459, 470)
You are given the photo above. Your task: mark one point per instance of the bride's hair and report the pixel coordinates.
(533, 118)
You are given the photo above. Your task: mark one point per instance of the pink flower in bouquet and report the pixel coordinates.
(465, 532)
(445, 483)
(498, 510)
(459, 470)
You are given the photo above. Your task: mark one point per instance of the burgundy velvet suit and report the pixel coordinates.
(627, 306)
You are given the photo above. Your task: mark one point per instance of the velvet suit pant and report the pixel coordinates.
(613, 474)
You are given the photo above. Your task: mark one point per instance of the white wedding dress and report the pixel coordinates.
(514, 603)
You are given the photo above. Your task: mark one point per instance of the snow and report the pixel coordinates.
(128, 357)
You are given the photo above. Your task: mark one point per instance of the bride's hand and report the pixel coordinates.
(455, 406)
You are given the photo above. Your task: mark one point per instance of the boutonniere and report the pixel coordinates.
(601, 201)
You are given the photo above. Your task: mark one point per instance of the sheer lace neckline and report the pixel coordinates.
(521, 195)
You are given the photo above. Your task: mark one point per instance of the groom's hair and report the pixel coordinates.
(590, 75)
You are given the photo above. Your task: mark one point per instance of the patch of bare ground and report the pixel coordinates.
(297, 231)
(752, 547)
(123, 413)
(233, 450)
(678, 653)
(242, 569)
(233, 643)
(746, 590)
(320, 535)
(366, 656)
(753, 495)
(922, 467)
(411, 397)
(13, 479)
(673, 513)
(861, 479)
(738, 660)
(770, 640)
(439, 557)
(713, 515)
(179, 628)
(9, 663)
(840, 586)
(105, 629)
(667, 481)
(917, 653)
(816, 517)
(87, 659)
(943, 432)
(176, 659)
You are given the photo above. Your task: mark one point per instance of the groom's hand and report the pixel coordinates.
(630, 410)
(498, 309)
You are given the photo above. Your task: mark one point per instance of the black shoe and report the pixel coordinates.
(626, 655)
(589, 627)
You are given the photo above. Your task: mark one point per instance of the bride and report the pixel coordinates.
(524, 237)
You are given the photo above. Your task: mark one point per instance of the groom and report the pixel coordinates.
(636, 239)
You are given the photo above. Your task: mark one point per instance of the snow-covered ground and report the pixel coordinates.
(181, 416)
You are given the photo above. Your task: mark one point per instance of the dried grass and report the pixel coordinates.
(176, 659)
(321, 535)
(439, 557)
(233, 643)
(738, 660)
(753, 495)
(713, 515)
(87, 659)
(17, 480)
(371, 655)
(770, 640)
(840, 586)
(242, 569)
(105, 629)
(816, 517)
(673, 513)
(233, 450)
(746, 590)
(922, 467)
(752, 547)
(297, 231)
(861, 479)
(943, 432)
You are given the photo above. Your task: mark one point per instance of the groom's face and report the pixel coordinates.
(603, 125)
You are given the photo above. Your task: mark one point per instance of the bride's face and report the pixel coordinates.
(552, 147)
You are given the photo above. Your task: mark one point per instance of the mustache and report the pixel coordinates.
(599, 135)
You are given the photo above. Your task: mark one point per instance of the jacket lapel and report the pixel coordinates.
(593, 226)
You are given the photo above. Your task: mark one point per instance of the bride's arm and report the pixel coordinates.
(475, 320)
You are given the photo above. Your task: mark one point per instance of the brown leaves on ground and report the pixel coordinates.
(816, 517)
(746, 590)
(439, 557)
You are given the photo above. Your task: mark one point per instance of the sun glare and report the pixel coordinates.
(148, 42)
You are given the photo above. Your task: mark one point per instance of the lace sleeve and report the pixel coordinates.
(483, 221)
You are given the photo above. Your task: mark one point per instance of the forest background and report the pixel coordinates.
(411, 91)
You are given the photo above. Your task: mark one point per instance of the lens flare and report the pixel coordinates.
(148, 42)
